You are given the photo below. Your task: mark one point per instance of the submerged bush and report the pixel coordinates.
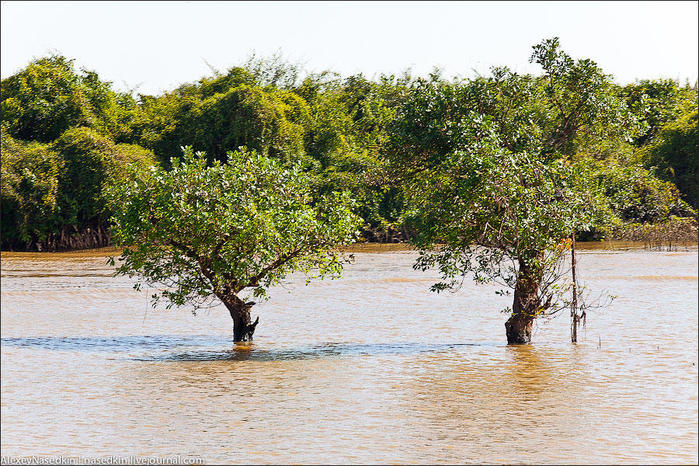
(671, 233)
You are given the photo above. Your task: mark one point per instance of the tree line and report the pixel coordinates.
(67, 134)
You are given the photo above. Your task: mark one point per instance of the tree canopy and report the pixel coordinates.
(674, 155)
(211, 231)
(53, 194)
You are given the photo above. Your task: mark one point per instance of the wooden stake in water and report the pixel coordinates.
(574, 305)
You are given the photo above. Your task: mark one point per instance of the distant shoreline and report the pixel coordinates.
(354, 248)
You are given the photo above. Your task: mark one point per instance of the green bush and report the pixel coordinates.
(271, 122)
(635, 195)
(30, 173)
(52, 194)
(91, 160)
(675, 156)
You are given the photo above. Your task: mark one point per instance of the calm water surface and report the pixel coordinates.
(370, 368)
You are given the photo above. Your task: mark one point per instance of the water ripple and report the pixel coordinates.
(154, 345)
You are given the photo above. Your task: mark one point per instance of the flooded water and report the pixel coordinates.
(371, 368)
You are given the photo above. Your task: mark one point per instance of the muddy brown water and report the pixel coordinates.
(370, 368)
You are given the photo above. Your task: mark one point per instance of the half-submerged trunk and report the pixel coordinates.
(243, 329)
(526, 303)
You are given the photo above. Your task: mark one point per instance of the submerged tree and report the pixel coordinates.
(206, 232)
(506, 218)
(489, 168)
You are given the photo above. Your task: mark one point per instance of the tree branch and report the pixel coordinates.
(254, 281)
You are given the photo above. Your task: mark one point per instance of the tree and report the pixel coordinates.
(489, 169)
(211, 232)
(268, 121)
(348, 127)
(43, 100)
(91, 163)
(503, 217)
(635, 195)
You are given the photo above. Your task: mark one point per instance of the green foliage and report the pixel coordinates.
(489, 168)
(218, 84)
(270, 122)
(273, 71)
(48, 97)
(571, 106)
(218, 229)
(86, 154)
(335, 127)
(30, 173)
(50, 188)
(674, 155)
(347, 132)
(91, 161)
(656, 103)
(157, 126)
(43, 100)
(635, 195)
(486, 206)
(581, 103)
(364, 136)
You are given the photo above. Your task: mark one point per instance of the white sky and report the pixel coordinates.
(160, 45)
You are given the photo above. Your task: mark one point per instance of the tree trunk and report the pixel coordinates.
(243, 329)
(518, 327)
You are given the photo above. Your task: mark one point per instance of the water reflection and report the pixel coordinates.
(520, 396)
(530, 372)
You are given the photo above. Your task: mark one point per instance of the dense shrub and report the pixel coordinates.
(30, 173)
(674, 156)
(52, 194)
(635, 195)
